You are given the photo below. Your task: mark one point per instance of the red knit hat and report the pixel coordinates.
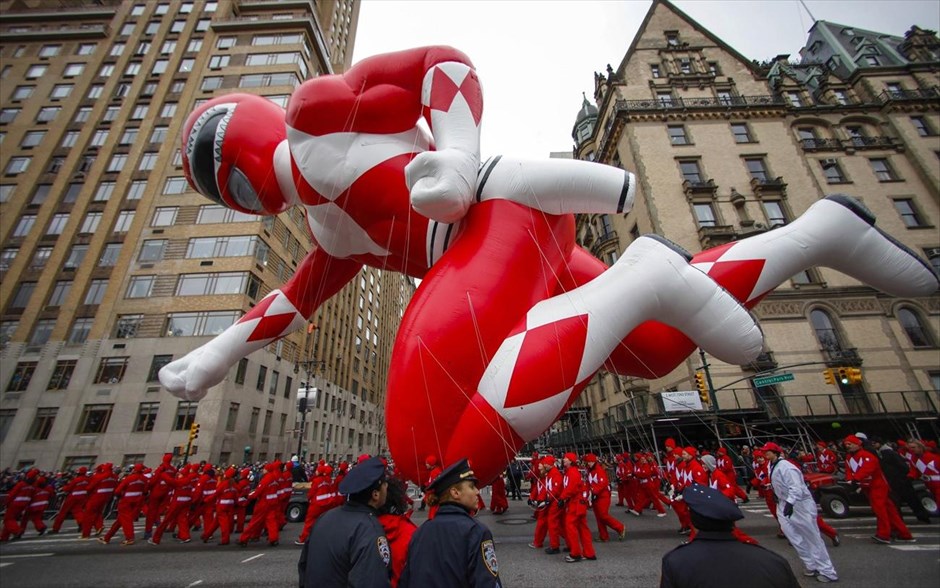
(670, 442)
(548, 460)
(590, 457)
(852, 439)
(690, 450)
(722, 451)
(571, 457)
(430, 460)
(821, 443)
(770, 446)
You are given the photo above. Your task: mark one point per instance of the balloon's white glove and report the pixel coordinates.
(442, 183)
(191, 376)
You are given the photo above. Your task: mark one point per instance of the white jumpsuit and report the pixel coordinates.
(800, 528)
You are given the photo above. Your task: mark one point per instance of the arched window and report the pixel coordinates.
(826, 332)
(917, 331)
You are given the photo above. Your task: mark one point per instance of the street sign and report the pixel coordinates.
(770, 380)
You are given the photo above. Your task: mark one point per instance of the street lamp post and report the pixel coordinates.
(302, 407)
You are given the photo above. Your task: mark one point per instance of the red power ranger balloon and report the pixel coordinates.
(512, 318)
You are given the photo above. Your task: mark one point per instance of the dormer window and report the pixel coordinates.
(672, 38)
(815, 47)
(848, 32)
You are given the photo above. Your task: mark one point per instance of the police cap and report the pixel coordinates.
(363, 476)
(711, 503)
(453, 474)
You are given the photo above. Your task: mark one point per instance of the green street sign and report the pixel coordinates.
(770, 380)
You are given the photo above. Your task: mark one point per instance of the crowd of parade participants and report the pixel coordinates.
(203, 500)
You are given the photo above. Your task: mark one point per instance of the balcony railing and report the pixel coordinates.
(675, 103)
(907, 95)
(869, 142)
(642, 410)
(821, 144)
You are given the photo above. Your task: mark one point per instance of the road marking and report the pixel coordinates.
(5, 564)
(196, 583)
(916, 547)
(27, 555)
(252, 557)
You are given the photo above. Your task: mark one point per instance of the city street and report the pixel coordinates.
(64, 561)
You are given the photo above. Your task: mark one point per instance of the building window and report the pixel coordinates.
(31, 139)
(741, 133)
(841, 97)
(691, 171)
(217, 284)
(169, 110)
(705, 214)
(17, 165)
(7, 256)
(76, 256)
(232, 418)
(272, 385)
(111, 370)
(872, 61)
(60, 292)
(685, 66)
(91, 222)
(241, 371)
(826, 333)
(677, 135)
(41, 332)
(933, 256)
(665, 99)
(40, 257)
(148, 161)
(796, 100)
(915, 327)
(104, 192)
(152, 250)
(226, 42)
(156, 364)
(96, 290)
(174, 185)
(883, 170)
(86, 49)
(7, 115)
(127, 326)
(757, 168)
(61, 91)
(833, 171)
(253, 423)
(198, 324)
(24, 225)
(42, 424)
(922, 126)
(62, 374)
(137, 190)
(22, 92)
(140, 286)
(268, 417)
(22, 374)
(185, 415)
(22, 294)
(94, 418)
(117, 162)
(48, 113)
(212, 83)
(909, 213)
(655, 71)
(164, 216)
(80, 330)
(110, 255)
(57, 224)
(262, 375)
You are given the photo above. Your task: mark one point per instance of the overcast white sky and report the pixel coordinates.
(536, 57)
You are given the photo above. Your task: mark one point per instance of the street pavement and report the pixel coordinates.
(64, 561)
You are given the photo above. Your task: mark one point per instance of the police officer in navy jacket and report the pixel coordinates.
(347, 546)
(453, 549)
(715, 558)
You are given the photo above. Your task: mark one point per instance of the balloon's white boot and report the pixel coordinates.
(564, 340)
(837, 232)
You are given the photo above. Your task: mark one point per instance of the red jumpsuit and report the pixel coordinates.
(265, 514)
(499, 502)
(727, 468)
(556, 512)
(76, 495)
(39, 504)
(719, 481)
(621, 475)
(538, 496)
(576, 495)
(226, 496)
(181, 501)
(241, 503)
(826, 461)
(18, 500)
(320, 498)
(133, 492)
(207, 496)
(100, 493)
(158, 494)
(864, 468)
(286, 488)
(600, 490)
(647, 474)
(398, 531)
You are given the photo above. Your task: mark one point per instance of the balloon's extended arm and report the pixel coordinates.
(388, 94)
(281, 312)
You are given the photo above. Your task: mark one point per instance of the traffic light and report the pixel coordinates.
(193, 432)
(855, 375)
(844, 375)
(702, 386)
(830, 378)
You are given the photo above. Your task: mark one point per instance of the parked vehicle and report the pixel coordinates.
(837, 497)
